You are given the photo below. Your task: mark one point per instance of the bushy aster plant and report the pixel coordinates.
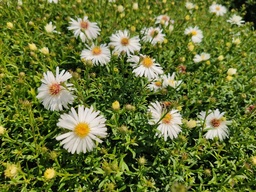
(117, 95)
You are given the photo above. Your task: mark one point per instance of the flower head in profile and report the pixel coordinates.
(202, 57)
(99, 55)
(123, 43)
(236, 20)
(196, 33)
(152, 35)
(168, 80)
(168, 121)
(145, 66)
(54, 92)
(84, 28)
(217, 9)
(50, 28)
(215, 124)
(163, 19)
(85, 126)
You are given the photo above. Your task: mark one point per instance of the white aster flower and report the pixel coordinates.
(236, 20)
(202, 57)
(54, 92)
(145, 66)
(196, 33)
(215, 124)
(219, 10)
(84, 28)
(85, 127)
(168, 121)
(189, 5)
(122, 42)
(50, 28)
(53, 1)
(99, 55)
(168, 80)
(163, 19)
(156, 84)
(152, 35)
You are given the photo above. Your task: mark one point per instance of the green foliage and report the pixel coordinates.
(132, 157)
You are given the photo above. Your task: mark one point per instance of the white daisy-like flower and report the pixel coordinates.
(168, 121)
(122, 42)
(85, 127)
(145, 66)
(50, 28)
(189, 5)
(236, 20)
(84, 28)
(215, 124)
(217, 9)
(54, 92)
(156, 84)
(152, 35)
(168, 80)
(53, 1)
(202, 57)
(99, 55)
(196, 33)
(163, 19)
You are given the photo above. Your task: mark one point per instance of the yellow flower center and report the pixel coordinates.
(147, 62)
(217, 8)
(215, 123)
(55, 89)
(167, 118)
(96, 51)
(194, 33)
(84, 25)
(82, 130)
(158, 84)
(124, 41)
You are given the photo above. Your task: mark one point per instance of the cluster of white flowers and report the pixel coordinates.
(87, 125)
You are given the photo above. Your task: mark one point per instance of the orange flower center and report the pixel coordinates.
(96, 51)
(194, 33)
(55, 89)
(215, 123)
(125, 41)
(147, 62)
(153, 33)
(167, 118)
(164, 18)
(82, 129)
(158, 83)
(84, 25)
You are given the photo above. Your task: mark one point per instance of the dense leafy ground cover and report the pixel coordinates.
(157, 103)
